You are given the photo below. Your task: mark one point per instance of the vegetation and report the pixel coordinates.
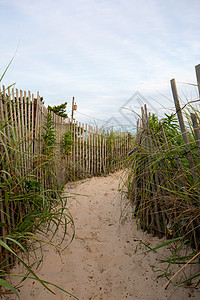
(30, 212)
(59, 110)
(35, 161)
(31, 208)
(66, 143)
(161, 183)
(115, 142)
(164, 190)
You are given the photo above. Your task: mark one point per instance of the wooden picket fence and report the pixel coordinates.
(93, 152)
(165, 171)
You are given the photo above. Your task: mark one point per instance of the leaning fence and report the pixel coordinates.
(165, 172)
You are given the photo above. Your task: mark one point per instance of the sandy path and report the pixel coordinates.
(101, 262)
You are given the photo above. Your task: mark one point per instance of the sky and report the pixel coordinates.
(105, 53)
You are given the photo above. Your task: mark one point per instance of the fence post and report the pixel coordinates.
(183, 130)
(86, 150)
(92, 150)
(197, 68)
(196, 130)
(77, 151)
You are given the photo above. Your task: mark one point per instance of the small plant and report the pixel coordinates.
(66, 143)
(177, 261)
(49, 136)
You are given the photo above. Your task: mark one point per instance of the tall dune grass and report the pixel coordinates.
(30, 212)
(165, 191)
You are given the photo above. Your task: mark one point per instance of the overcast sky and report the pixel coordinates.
(100, 51)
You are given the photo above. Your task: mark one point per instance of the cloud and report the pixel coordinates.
(100, 51)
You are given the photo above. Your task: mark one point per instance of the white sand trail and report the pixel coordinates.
(101, 262)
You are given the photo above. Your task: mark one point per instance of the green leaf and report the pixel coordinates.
(188, 279)
(7, 68)
(44, 282)
(162, 245)
(7, 247)
(9, 286)
(17, 243)
(25, 265)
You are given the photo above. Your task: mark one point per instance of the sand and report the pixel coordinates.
(102, 262)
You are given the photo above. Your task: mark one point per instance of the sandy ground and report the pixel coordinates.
(101, 262)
